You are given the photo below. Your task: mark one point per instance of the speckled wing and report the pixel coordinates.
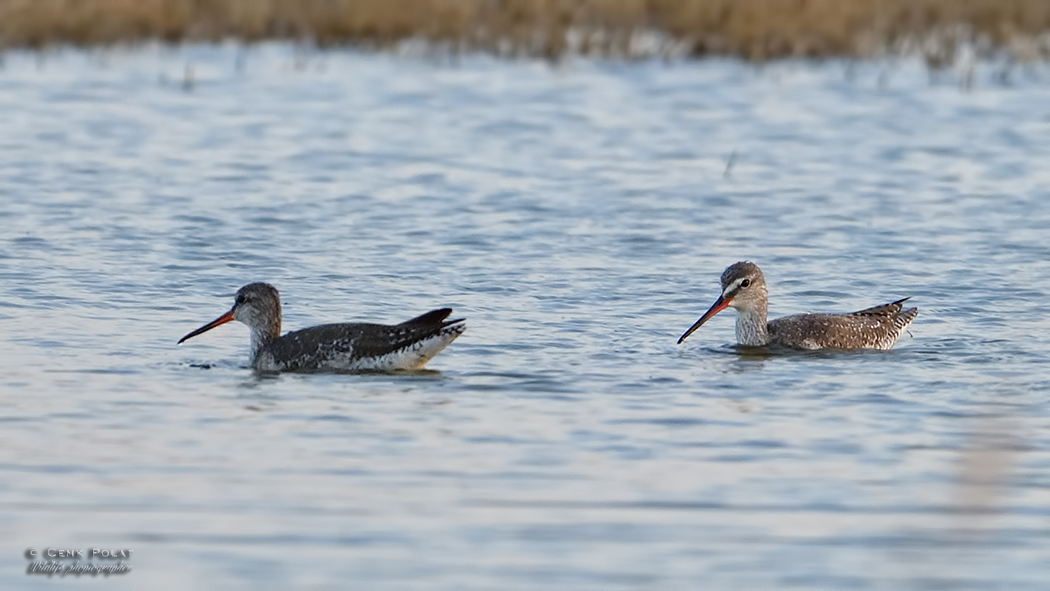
(871, 328)
(891, 310)
(359, 345)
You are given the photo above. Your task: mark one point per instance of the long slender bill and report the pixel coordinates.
(217, 322)
(720, 304)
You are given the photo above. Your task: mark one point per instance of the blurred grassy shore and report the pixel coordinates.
(756, 30)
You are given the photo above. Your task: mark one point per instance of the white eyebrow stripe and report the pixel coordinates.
(733, 286)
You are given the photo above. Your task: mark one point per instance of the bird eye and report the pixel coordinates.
(240, 299)
(745, 283)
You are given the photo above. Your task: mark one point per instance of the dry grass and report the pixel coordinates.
(753, 29)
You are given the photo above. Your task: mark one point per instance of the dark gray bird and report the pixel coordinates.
(335, 347)
(744, 288)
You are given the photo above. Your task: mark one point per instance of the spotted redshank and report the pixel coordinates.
(744, 288)
(335, 347)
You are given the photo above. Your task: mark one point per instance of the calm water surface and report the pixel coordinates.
(579, 216)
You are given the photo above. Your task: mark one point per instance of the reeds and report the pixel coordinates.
(753, 29)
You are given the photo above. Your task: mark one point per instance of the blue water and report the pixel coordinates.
(579, 215)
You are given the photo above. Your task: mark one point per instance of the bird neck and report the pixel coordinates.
(751, 328)
(262, 337)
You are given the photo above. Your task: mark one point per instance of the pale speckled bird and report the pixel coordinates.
(744, 288)
(334, 347)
